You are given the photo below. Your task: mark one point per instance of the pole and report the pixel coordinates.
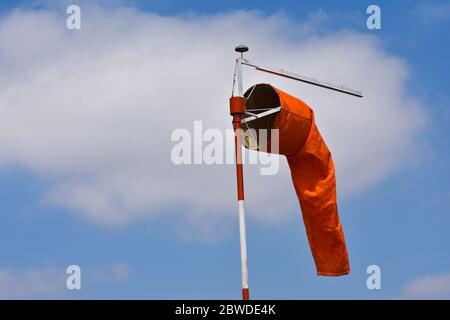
(240, 194)
(237, 111)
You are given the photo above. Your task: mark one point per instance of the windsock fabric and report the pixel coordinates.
(312, 172)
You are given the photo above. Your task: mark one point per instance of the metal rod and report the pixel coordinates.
(260, 115)
(240, 184)
(240, 194)
(294, 76)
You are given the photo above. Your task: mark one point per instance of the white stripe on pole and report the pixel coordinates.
(239, 77)
(243, 241)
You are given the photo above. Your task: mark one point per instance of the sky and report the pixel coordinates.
(86, 178)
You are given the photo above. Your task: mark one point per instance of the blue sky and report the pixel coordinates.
(400, 223)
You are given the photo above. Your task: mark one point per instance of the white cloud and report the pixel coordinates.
(92, 110)
(429, 286)
(32, 282)
(433, 12)
(50, 282)
(121, 272)
(115, 273)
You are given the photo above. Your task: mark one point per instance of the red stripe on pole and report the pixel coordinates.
(238, 149)
(245, 294)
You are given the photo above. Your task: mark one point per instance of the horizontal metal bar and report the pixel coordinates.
(261, 109)
(260, 115)
(294, 76)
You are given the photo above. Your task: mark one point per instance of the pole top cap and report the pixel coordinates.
(241, 48)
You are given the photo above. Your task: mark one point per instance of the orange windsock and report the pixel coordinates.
(312, 172)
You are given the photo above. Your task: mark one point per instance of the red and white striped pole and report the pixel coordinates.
(237, 107)
(237, 110)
